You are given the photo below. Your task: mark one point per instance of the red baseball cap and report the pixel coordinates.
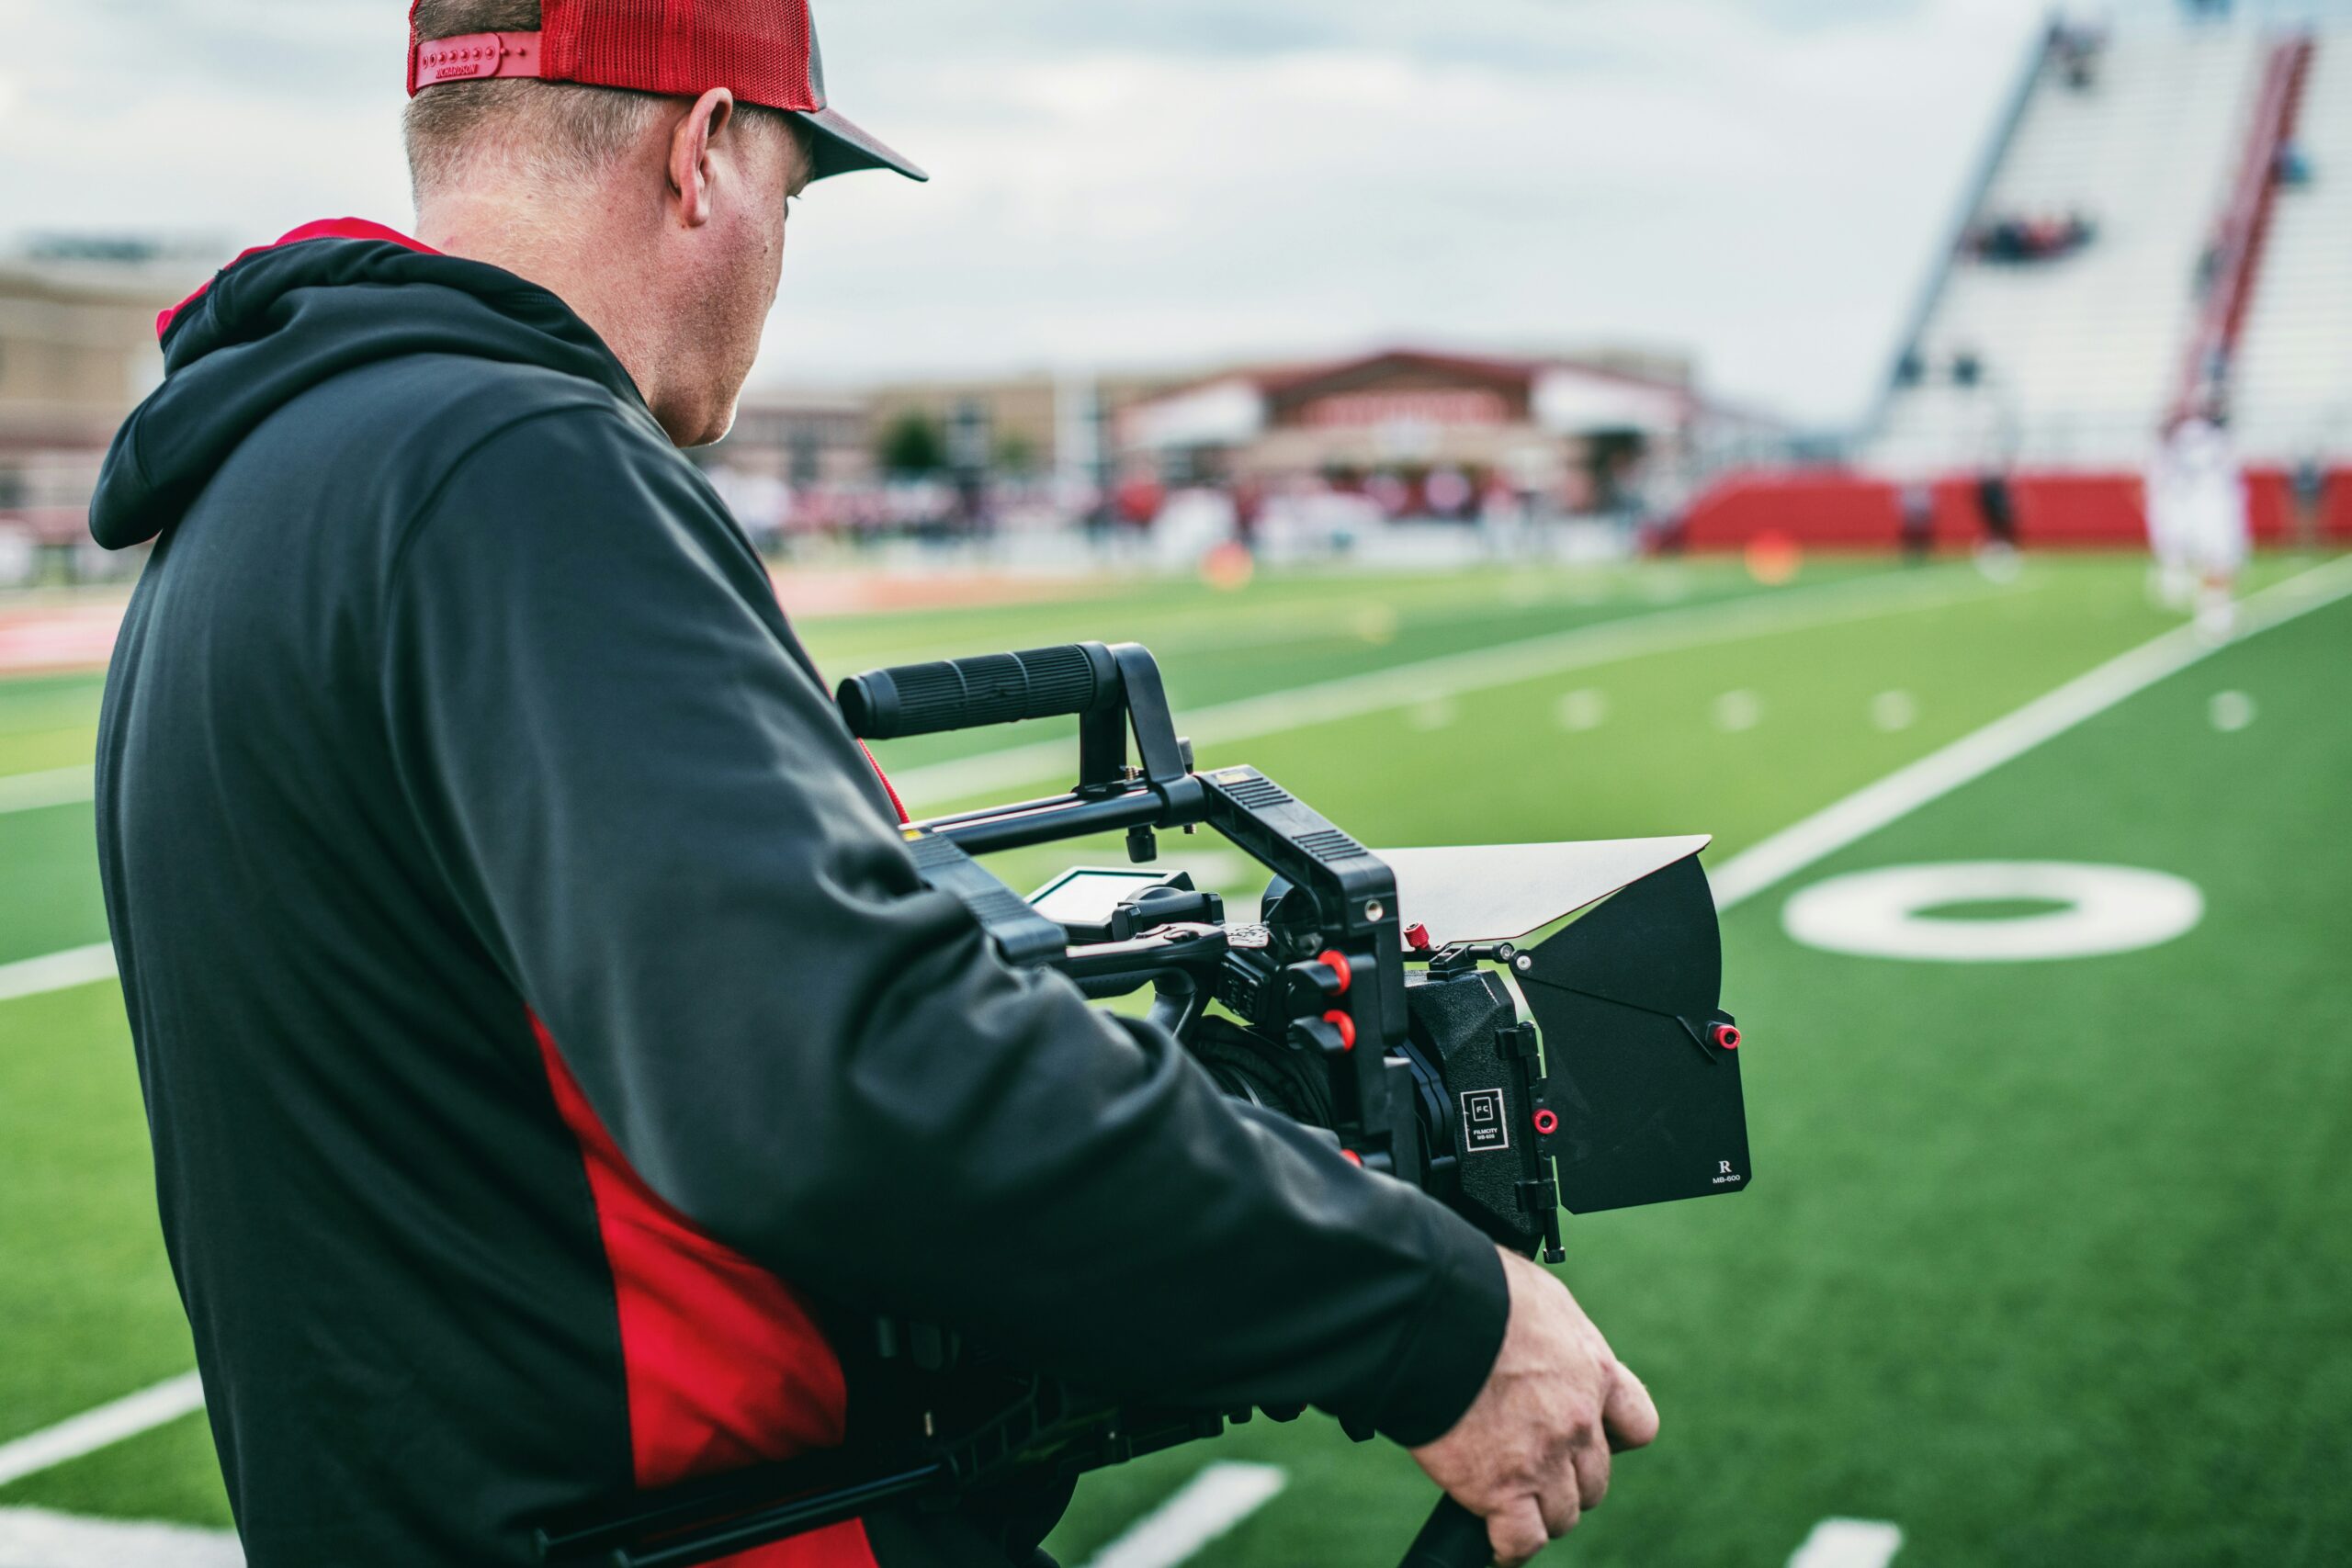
(765, 51)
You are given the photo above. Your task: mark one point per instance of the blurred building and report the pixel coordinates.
(899, 453)
(1577, 430)
(1035, 424)
(1011, 424)
(77, 353)
(802, 437)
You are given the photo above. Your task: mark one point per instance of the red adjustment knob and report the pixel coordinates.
(1338, 962)
(1417, 936)
(1725, 1035)
(1346, 1026)
(1547, 1122)
(1352, 1158)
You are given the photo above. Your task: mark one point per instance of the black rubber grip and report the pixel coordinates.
(971, 694)
(1454, 1538)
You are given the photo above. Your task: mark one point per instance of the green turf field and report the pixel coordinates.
(2045, 1262)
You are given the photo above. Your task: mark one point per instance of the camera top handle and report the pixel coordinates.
(1103, 687)
(970, 693)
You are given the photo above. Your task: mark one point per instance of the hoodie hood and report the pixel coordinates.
(282, 319)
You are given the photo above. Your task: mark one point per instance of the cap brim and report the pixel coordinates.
(842, 147)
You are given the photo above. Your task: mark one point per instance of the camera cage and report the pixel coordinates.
(1644, 1104)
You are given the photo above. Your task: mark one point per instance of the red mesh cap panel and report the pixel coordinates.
(760, 50)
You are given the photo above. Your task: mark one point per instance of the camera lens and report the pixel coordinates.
(1250, 1067)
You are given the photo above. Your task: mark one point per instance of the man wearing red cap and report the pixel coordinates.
(548, 1044)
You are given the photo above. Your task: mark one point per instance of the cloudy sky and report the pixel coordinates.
(1138, 182)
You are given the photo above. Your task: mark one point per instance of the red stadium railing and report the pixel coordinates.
(2236, 256)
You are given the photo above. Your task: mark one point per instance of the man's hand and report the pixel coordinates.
(1532, 1453)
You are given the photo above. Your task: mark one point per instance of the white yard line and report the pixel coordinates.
(1849, 1543)
(57, 971)
(1404, 686)
(37, 792)
(102, 1428)
(35, 1538)
(1195, 1516)
(2005, 739)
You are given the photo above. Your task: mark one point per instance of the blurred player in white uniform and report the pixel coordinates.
(2198, 528)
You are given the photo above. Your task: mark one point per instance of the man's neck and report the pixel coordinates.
(556, 255)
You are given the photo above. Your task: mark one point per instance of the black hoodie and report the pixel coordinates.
(540, 1019)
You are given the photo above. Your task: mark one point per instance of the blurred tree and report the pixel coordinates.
(1016, 454)
(914, 445)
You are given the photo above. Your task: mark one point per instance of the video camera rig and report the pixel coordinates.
(1371, 998)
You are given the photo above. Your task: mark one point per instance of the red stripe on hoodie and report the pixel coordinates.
(887, 788)
(725, 1365)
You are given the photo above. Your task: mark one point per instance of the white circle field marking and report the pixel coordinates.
(1881, 914)
(1737, 712)
(2230, 711)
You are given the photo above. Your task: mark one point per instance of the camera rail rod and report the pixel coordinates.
(1074, 816)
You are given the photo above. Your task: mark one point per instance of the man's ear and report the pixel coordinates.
(690, 153)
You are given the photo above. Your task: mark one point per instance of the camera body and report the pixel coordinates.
(1376, 997)
(1459, 1106)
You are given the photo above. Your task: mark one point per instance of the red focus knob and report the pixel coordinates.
(1547, 1122)
(1346, 1026)
(1725, 1035)
(1338, 962)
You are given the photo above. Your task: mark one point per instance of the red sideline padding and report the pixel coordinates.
(1844, 510)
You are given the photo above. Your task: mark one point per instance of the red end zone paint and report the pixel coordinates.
(725, 1366)
(2057, 509)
